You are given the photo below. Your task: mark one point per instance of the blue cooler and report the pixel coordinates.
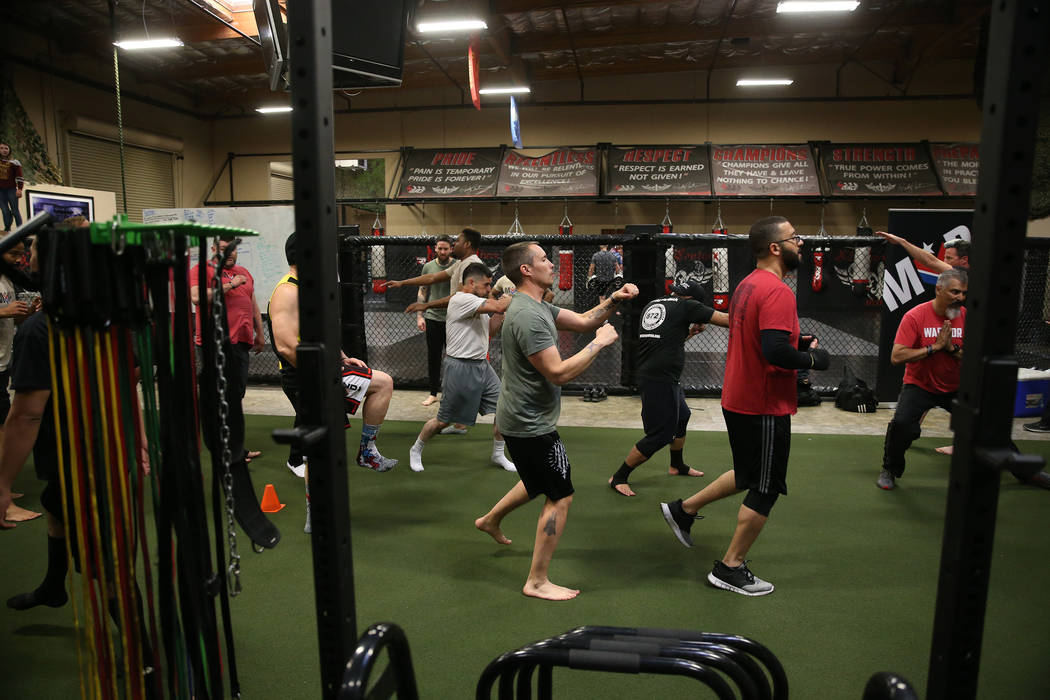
(1033, 391)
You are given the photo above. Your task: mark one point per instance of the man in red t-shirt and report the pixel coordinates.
(758, 398)
(929, 341)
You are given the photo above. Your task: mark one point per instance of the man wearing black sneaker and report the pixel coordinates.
(758, 399)
(667, 323)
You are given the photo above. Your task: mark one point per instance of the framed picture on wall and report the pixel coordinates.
(60, 206)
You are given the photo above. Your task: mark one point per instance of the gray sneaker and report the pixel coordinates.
(738, 580)
(1037, 427)
(679, 521)
(886, 482)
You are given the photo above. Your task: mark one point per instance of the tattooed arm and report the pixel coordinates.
(589, 320)
(551, 365)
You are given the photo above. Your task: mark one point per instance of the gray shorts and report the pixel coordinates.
(469, 388)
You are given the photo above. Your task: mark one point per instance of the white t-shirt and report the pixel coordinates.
(456, 271)
(7, 325)
(466, 331)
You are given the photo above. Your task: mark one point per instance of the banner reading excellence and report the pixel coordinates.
(879, 169)
(657, 170)
(957, 164)
(764, 170)
(566, 172)
(435, 174)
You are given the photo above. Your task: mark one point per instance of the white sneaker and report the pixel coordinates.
(501, 461)
(453, 430)
(307, 528)
(415, 459)
(299, 471)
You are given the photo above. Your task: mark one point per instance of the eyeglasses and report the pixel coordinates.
(796, 238)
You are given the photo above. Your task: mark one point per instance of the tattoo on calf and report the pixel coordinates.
(551, 527)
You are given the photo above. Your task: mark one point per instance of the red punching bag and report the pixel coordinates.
(565, 257)
(818, 270)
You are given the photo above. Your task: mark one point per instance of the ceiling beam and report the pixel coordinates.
(226, 68)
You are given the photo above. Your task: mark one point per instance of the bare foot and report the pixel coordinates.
(18, 514)
(16, 495)
(692, 472)
(549, 591)
(494, 532)
(946, 450)
(622, 489)
(429, 401)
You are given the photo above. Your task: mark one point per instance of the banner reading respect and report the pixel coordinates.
(657, 170)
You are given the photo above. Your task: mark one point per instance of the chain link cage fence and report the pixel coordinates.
(838, 285)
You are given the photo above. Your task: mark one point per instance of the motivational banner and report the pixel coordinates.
(879, 169)
(763, 170)
(657, 170)
(435, 174)
(957, 165)
(566, 172)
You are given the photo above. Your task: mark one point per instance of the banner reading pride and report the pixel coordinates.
(434, 174)
(957, 164)
(879, 169)
(657, 170)
(763, 170)
(566, 172)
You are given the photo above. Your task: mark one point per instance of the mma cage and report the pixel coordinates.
(838, 286)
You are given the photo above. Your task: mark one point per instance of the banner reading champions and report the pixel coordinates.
(657, 171)
(957, 164)
(434, 174)
(566, 172)
(763, 170)
(879, 169)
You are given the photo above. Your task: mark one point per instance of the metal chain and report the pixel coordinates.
(233, 579)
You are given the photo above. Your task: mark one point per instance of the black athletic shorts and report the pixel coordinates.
(760, 447)
(542, 465)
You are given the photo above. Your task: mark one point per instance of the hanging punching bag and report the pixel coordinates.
(860, 271)
(378, 260)
(720, 269)
(818, 270)
(565, 257)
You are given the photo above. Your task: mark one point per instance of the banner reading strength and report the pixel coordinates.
(566, 172)
(435, 174)
(658, 171)
(879, 169)
(957, 164)
(764, 170)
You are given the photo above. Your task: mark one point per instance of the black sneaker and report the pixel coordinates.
(679, 521)
(738, 580)
(599, 394)
(587, 394)
(1037, 427)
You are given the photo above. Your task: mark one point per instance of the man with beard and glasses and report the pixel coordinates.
(929, 341)
(758, 398)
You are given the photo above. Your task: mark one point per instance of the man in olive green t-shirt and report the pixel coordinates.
(432, 321)
(530, 403)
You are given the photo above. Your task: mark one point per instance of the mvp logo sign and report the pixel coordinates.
(900, 289)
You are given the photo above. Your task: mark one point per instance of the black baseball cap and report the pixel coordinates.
(691, 288)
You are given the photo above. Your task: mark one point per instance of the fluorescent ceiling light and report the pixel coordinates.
(817, 6)
(272, 110)
(457, 25)
(137, 44)
(758, 82)
(524, 89)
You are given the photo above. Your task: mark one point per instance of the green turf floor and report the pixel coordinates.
(854, 568)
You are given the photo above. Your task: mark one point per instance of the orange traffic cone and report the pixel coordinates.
(270, 504)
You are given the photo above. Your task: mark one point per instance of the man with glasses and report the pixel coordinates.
(758, 399)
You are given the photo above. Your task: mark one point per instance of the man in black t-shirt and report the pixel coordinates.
(667, 323)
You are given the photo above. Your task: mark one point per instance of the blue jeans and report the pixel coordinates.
(9, 207)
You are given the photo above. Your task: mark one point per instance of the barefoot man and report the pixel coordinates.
(530, 403)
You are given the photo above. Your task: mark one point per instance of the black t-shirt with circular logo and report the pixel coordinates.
(661, 336)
